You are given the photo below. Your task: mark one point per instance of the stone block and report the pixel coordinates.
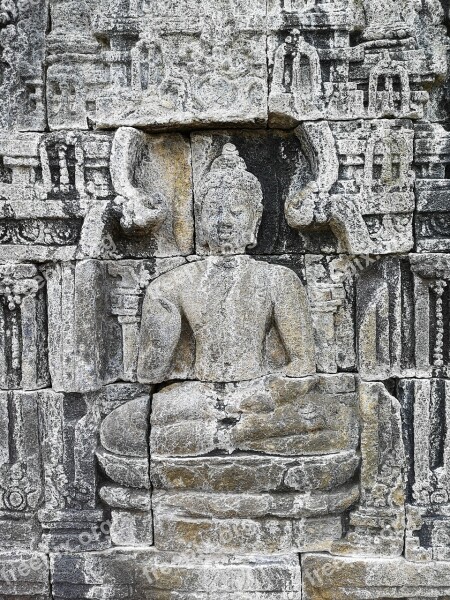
(131, 528)
(23, 26)
(348, 60)
(139, 574)
(25, 575)
(190, 64)
(328, 578)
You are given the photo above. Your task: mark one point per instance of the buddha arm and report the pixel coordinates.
(293, 321)
(160, 333)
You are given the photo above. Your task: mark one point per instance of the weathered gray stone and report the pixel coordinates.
(431, 276)
(224, 299)
(275, 174)
(124, 452)
(187, 64)
(244, 535)
(252, 473)
(331, 295)
(22, 80)
(140, 574)
(318, 71)
(218, 294)
(131, 528)
(327, 578)
(25, 575)
(21, 471)
(385, 319)
(376, 526)
(274, 415)
(75, 73)
(50, 186)
(428, 516)
(152, 177)
(119, 497)
(362, 186)
(431, 155)
(23, 331)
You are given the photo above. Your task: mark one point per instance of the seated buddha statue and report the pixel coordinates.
(242, 429)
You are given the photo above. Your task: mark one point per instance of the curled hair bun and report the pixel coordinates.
(229, 169)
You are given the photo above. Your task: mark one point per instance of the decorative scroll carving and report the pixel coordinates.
(367, 203)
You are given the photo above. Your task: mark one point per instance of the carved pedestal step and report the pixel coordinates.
(249, 503)
(290, 475)
(252, 473)
(149, 575)
(282, 505)
(264, 535)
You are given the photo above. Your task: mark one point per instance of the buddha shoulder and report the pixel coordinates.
(280, 275)
(178, 278)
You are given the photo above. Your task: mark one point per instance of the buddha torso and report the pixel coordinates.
(229, 308)
(230, 304)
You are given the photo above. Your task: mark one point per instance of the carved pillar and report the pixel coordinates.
(76, 347)
(326, 300)
(377, 524)
(20, 469)
(68, 436)
(384, 318)
(427, 421)
(23, 363)
(126, 303)
(431, 277)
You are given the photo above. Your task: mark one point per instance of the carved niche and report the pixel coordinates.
(224, 300)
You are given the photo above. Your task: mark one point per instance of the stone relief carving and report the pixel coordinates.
(363, 185)
(224, 300)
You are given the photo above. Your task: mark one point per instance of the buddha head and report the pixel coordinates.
(231, 205)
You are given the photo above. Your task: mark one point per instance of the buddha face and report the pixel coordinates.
(230, 220)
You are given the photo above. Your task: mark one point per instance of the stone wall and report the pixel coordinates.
(224, 300)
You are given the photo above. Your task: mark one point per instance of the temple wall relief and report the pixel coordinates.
(224, 300)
